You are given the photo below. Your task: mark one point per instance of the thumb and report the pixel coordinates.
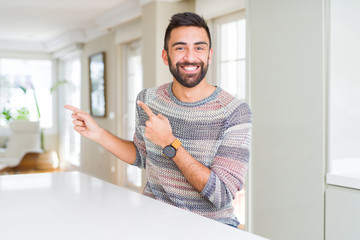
(80, 116)
(162, 117)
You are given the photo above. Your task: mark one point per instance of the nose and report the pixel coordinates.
(190, 55)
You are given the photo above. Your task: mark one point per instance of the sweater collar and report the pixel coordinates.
(193, 104)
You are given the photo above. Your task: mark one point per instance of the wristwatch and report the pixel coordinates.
(170, 150)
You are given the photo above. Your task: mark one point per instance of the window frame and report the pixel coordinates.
(125, 110)
(61, 65)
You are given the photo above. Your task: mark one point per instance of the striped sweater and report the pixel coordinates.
(216, 131)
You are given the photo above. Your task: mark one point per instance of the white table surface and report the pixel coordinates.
(72, 205)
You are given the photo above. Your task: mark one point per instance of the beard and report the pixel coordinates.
(188, 80)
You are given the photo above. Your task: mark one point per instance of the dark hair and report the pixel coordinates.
(185, 19)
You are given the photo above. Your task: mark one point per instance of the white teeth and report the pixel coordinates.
(190, 68)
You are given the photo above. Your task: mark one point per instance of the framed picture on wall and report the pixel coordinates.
(97, 84)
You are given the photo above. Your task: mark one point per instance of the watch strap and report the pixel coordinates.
(176, 143)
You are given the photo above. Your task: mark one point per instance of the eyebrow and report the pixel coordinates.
(184, 43)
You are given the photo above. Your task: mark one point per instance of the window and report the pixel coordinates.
(230, 32)
(230, 70)
(134, 84)
(344, 94)
(36, 77)
(69, 71)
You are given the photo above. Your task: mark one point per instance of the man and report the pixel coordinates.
(193, 138)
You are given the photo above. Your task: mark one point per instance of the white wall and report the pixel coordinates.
(212, 9)
(342, 213)
(287, 100)
(95, 160)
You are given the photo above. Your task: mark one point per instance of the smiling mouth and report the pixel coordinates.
(188, 68)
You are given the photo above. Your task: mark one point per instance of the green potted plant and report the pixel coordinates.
(19, 121)
(20, 114)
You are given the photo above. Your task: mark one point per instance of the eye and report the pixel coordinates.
(199, 48)
(179, 48)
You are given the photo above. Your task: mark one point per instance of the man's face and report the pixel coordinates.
(188, 56)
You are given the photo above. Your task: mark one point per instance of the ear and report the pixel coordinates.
(210, 55)
(164, 56)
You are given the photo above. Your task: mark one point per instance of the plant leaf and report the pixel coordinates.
(57, 85)
(23, 113)
(22, 88)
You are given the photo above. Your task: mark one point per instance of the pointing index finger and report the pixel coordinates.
(146, 109)
(73, 109)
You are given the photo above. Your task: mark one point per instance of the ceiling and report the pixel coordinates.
(40, 24)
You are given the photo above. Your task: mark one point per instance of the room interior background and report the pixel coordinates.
(298, 53)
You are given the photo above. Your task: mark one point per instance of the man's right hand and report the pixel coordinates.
(87, 127)
(84, 124)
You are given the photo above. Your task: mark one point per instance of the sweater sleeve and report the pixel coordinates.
(138, 136)
(229, 168)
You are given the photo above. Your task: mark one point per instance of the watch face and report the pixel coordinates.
(169, 151)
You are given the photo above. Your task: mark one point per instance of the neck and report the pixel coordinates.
(194, 94)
